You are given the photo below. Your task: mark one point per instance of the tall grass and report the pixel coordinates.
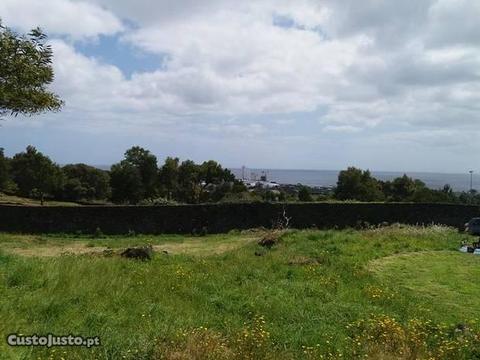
(314, 294)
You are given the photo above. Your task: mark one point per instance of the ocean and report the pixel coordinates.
(458, 182)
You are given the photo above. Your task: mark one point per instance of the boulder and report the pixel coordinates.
(270, 239)
(139, 253)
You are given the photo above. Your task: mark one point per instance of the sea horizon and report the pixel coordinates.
(328, 178)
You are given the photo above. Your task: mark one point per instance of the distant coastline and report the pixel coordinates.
(328, 178)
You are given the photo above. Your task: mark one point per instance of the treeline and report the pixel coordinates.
(360, 185)
(137, 179)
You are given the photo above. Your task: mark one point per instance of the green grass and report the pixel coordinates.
(17, 200)
(315, 293)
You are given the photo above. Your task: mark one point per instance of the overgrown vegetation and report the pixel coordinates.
(381, 293)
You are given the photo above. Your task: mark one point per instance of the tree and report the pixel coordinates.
(471, 197)
(126, 183)
(401, 188)
(426, 195)
(25, 72)
(146, 164)
(36, 175)
(215, 181)
(4, 171)
(212, 172)
(168, 177)
(189, 182)
(356, 184)
(85, 182)
(304, 194)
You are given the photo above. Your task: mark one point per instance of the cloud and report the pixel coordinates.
(453, 23)
(60, 17)
(395, 67)
(231, 58)
(342, 128)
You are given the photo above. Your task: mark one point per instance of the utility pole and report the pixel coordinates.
(471, 180)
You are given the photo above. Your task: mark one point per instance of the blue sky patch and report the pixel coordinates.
(112, 50)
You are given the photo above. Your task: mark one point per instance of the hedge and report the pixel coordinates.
(218, 218)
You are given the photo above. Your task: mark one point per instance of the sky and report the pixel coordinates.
(304, 84)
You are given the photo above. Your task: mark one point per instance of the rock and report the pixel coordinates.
(138, 253)
(269, 239)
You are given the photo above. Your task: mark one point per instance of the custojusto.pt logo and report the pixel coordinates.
(50, 340)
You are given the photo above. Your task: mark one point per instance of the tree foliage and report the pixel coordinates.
(168, 177)
(4, 171)
(126, 182)
(304, 194)
(36, 175)
(83, 182)
(25, 72)
(146, 164)
(137, 179)
(356, 184)
(189, 182)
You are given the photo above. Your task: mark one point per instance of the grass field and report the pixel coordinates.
(16, 200)
(389, 293)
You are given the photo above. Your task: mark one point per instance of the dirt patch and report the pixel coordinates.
(303, 260)
(190, 247)
(198, 247)
(47, 251)
(380, 263)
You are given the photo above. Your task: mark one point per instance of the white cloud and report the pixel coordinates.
(405, 67)
(453, 23)
(342, 128)
(60, 17)
(231, 58)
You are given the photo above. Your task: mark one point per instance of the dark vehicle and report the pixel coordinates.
(473, 226)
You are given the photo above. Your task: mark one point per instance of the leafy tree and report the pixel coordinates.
(85, 182)
(216, 192)
(469, 197)
(401, 188)
(126, 183)
(356, 184)
(36, 175)
(74, 190)
(168, 177)
(304, 194)
(25, 72)
(146, 164)
(426, 195)
(212, 172)
(189, 182)
(216, 181)
(4, 171)
(448, 194)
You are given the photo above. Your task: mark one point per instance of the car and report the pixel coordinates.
(473, 226)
